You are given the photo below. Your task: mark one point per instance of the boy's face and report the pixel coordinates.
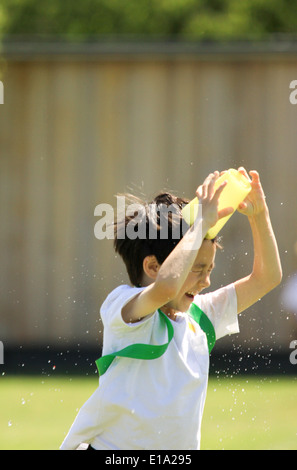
(198, 279)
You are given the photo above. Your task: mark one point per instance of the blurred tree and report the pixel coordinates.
(181, 19)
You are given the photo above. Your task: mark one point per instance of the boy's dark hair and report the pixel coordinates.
(154, 228)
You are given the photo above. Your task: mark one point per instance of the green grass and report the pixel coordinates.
(240, 413)
(251, 413)
(36, 412)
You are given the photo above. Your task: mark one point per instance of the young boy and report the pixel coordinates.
(158, 403)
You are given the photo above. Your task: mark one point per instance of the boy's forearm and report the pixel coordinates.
(267, 271)
(267, 265)
(177, 265)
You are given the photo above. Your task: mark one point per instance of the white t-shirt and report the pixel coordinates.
(152, 404)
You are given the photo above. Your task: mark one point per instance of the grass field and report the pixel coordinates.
(240, 413)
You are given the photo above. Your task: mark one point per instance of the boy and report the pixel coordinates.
(158, 403)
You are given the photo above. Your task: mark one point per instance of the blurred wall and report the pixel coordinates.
(77, 127)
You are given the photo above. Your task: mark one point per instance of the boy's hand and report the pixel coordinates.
(209, 198)
(255, 202)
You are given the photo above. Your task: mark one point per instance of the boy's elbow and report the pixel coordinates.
(279, 278)
(274, 279)
(266, 282)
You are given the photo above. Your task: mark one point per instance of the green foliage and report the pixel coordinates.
(181, 19)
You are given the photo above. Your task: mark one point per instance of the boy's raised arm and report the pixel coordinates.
(267, 271)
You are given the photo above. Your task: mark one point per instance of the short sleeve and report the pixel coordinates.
(221, 308)
(111, 309)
